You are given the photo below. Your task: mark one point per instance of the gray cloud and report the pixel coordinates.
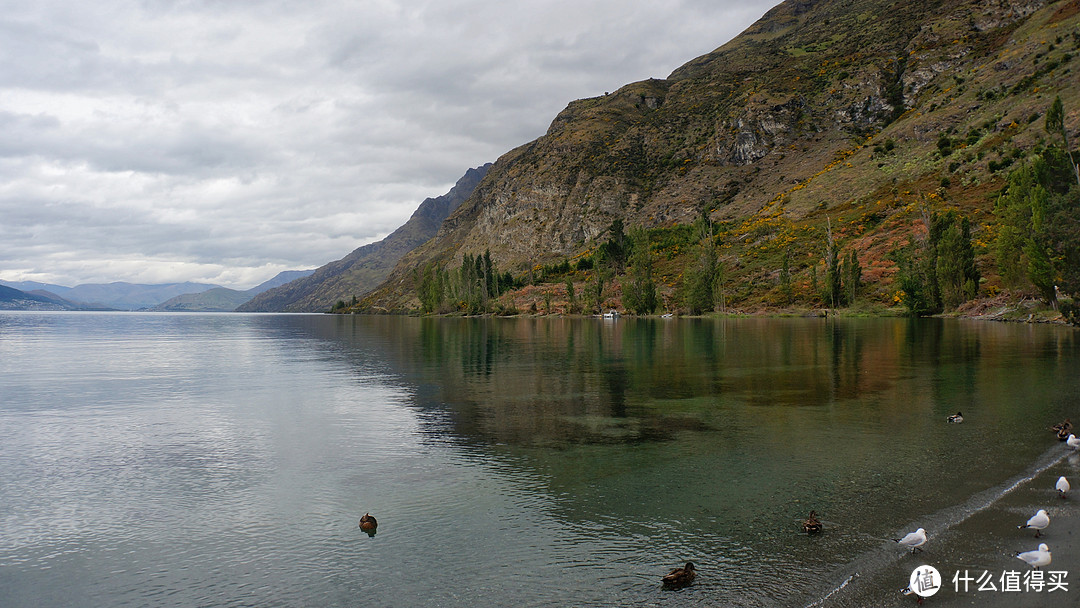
(169, 140)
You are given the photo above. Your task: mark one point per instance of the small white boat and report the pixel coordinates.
(611, 314)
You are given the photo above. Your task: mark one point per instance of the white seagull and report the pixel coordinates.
(914, 540)
(1073, 442)
(1035, 559)
(1063, 486)
(1039, 521)
(910, 591)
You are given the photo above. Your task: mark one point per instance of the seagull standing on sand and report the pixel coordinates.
(1062, 486)
(910, 591)
(914, 540)
(1073, 442)
(1039, 521)
(1037, 558)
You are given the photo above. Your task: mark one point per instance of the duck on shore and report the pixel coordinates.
(680, 577)
(1063, 429)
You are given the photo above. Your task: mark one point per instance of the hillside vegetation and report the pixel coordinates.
(838, 153)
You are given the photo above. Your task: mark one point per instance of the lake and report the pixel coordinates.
(225, 459)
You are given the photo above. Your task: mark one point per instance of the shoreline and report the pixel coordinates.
(999, 308)
(986, 541)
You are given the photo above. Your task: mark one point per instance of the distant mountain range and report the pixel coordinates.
(292, 291)
(367, 267)
(223, 299)
(15, 299)
(202, 297)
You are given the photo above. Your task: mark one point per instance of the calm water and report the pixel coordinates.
(224, 460)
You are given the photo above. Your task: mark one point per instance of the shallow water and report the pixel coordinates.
(191, 460)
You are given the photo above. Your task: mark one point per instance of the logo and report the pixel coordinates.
(925, 581)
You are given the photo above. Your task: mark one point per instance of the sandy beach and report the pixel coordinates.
(983, 547)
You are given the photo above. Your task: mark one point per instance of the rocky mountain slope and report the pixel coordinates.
(365, 268)
(853, 118)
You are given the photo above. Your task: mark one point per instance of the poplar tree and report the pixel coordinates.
(639, 290)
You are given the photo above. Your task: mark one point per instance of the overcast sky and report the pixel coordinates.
(224, 141)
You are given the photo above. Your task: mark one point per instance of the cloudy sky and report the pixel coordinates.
(224, 141)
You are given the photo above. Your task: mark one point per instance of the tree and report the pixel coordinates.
(571, 299)
(1055, 125)
(958, 279)
(431, 288)
(1038, 215)
(1061, 232)
(1040, 270)
(938, 271)
(700, 278)
(612, 253)
(833, 295)
(852, 277)
(639, 289)
(491, 278)
(594, 290)
(785, 278)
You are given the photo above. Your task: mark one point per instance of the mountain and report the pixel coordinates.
(15, 299)
(131, 296)
(116, 296)
(223, 299)
(366, 267)
(29, 286)
(844, 121)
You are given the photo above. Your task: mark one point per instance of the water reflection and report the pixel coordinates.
(225, 460)
(718, 436)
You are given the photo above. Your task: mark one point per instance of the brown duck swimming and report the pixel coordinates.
(680, 577)
(812, 525)
(368, 524)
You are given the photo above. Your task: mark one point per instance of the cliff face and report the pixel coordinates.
(366, 267)
(820, 112)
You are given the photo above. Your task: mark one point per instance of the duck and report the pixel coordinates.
(812, 525)
(956, 418)
(368, 524)
(1063, 429)
(1062, 486)
(1073, 441)
(1037, 558)
(680, 577)
(915, 540)
(1038, 522)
